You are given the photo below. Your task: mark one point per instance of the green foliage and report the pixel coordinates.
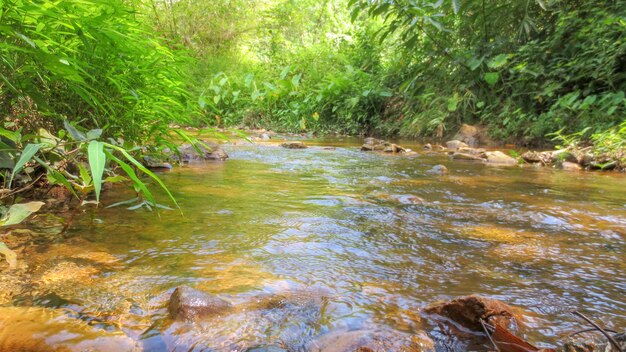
(90, 61)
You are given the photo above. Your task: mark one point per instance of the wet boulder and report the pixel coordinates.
(454, 145)
(394, 148)
(597, 343)
(469, 134)
(373, 144)
(294, 145)
(438, 170)
(533, 157)
(467, 311)
(156, 164)
(466, 157)
(499, 158)
(205, 150)
(428, 146)
(370, 340)
(189, 304)
(566, 165)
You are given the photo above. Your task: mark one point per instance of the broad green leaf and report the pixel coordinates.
(133, 176)
(74, 132)
(9, 255)
(27, 154)
(491, 77)
(145, 171)
(97, 160)
(498, 61)
(18, 212)
(94, 134)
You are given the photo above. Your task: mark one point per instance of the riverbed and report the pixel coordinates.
(369, 238)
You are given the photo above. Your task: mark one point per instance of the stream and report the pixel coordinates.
(363, 240)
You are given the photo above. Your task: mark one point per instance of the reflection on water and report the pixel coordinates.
(376, 233)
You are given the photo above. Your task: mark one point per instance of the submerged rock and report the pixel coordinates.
(294, 145)
(394, 148)
(438, 170)
(187, 303)
(467, 311)
(35, 329)
(371, 340)
(597, 343)
(266, 349)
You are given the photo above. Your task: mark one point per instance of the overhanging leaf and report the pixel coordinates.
(97, 159)
(27, 154)
(18, 212)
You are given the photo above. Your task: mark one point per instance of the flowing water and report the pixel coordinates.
(370, 238)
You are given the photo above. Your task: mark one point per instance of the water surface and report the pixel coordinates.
(377, 234)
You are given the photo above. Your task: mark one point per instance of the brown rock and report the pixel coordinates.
(469, 157)
(188, 304)
(537, 157)
(597, 343)
(566, 165)
(472, 151)
(499, 158)
(206, 151)
(455, 145)
(563, 155)
(467, 311)
(469, 134)
(294, 145)
(371, 340)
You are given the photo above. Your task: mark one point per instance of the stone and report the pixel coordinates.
(562, 155)
(265, 137)
(189, 304)
(566, 165)
(537, 157)
(467, 312)
(471, 151)
(294, 145)
(499, 158)
(154, 164)
(371, 340)
(468, 157)
(65, 271)
(208, 151)
(428, 146)
(595, 343)
(438, 170)
(469, 134)
(394, 148)
(454, 145)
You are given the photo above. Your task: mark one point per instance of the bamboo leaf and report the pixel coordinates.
(27, 154)
(97, 159)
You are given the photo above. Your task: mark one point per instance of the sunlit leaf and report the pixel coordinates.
(97, 160)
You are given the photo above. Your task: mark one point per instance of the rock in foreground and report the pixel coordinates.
(371, 340)
(467, 311)
(189, 304)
